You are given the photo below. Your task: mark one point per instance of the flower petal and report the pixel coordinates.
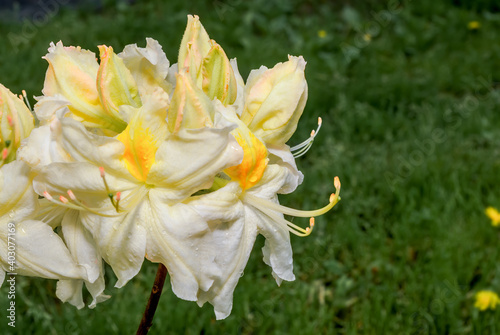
(239, 103)
(41, 252)
(181, 239)
(17, 199)
(282, 156)
(81, 245)
(145, 132)
(189, 160)
(277, 249)
(149, 66)
(191, 108)
(121, 240)
(44, 146)
(70, 291)
(234, 237)
(273, 180)
(47, 107)
(85, 182)
(84, 146)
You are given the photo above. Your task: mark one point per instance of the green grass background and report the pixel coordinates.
(411, 127)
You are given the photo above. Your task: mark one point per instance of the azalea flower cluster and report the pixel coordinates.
(135, 158)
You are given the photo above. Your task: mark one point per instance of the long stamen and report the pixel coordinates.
(292, 228)
(272, 209)
(300, 149)
(334, 198)
(74, 204)
(25, 96)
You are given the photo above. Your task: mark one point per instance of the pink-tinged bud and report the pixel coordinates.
(72, 73)
(190, 107)
(206, 63)
(16, 123)
(218, 79)
(195, 45)
(275, 99)
(115, 83)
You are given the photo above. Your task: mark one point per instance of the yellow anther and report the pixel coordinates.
(336, 183)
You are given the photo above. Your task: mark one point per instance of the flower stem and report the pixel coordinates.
(147, 318)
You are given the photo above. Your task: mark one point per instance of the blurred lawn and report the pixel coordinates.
(410, 101)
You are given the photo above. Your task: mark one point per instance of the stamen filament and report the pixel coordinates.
(334, 199)
(292, 228)
(26, 100)
(303, 147)
(110, 195)
(271, 209)
(63, 201)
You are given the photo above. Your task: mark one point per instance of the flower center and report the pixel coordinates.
(140, 150)
(250, 170)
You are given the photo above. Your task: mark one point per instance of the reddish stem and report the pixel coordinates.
(149, 313)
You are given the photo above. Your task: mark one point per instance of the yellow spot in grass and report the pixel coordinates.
(321, 33)
(494, 215)
(486, 299)
(473, 25)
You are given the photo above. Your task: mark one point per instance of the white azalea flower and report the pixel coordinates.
(247, 205)
(29, 247)
(243, 201)
(129, 191)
